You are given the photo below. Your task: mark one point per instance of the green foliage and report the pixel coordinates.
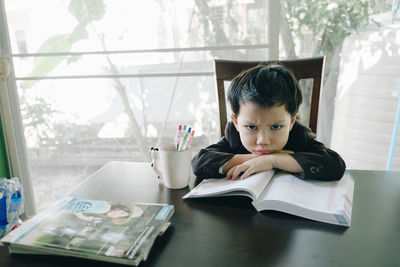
(37, 113)
(86, 11)
(330, 21)
(4, 168)
(43, 65)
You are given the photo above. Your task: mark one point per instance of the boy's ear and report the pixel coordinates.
(235, 122)
(293, 120)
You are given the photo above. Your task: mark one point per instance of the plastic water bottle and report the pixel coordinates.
(16, 208)
(3, 207)
(11, 205)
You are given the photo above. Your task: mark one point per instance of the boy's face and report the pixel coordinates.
(263, 130)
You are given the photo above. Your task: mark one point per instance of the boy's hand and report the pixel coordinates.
(249, 167)
(237, 160)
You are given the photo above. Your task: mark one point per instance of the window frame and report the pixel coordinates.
(12, 121)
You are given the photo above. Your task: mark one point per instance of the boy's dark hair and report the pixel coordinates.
(267, 86)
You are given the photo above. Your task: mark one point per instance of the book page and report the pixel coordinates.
(251, 187)
(322, 196)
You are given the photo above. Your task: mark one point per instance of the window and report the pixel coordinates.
(93, 81)
(359, 99)
(106, 80)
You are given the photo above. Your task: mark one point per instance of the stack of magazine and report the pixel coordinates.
(120, 232)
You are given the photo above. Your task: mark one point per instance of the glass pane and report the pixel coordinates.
(74, 127)
(368, 100)
(357, 106)
(76, 122)
(129, 25)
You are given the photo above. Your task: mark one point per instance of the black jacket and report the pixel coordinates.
(317, 161)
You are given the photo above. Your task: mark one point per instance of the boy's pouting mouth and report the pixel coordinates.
(263, 152)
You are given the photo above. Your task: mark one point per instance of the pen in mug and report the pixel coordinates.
(178, 136)
(183, 141)
(181, 133)
(189, 141)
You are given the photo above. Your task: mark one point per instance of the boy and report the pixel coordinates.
(264, 133)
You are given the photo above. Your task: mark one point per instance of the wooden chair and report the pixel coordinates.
(226, 70)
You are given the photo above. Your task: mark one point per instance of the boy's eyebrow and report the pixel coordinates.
(252, 122)
(281, 121)
(247, 122)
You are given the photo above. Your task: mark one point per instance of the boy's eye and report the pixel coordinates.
(276, 127)
(251, 127)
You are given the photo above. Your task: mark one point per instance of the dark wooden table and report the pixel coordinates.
(229, 232)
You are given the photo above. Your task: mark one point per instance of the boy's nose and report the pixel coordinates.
(263, 139)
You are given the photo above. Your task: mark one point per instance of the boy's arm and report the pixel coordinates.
(317, 161)
(281, 160)
(321, 164)
(303, 155)
(207, 163)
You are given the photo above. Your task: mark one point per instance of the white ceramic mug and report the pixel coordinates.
(172, 166)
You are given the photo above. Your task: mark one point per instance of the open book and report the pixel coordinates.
(120, 232)
(329, 202)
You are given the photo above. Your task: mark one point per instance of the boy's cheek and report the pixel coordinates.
(247, 142)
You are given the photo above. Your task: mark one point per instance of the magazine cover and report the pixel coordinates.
(102, 230)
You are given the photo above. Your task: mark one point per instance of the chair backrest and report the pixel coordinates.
(226, 70)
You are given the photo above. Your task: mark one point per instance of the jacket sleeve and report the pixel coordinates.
(317, 161)
(208, 161)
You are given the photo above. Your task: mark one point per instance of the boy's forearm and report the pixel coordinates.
(285, 162)
(324, 164)
(280, 161)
